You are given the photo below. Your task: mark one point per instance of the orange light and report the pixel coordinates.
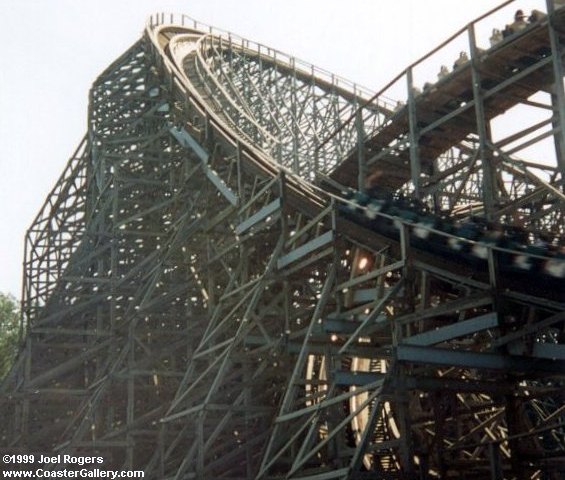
(363, 263)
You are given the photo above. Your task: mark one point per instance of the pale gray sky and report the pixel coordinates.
(52, 50)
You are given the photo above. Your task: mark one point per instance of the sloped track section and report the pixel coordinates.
(445, 143)
(198, 309)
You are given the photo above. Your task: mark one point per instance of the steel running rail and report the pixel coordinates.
(338, 81)
(300, 186)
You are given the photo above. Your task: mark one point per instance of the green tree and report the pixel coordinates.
(9, 331)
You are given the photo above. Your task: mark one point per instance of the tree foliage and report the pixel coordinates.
(9, 331)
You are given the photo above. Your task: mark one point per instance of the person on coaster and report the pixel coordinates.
(462, 60)
(443, 72)
(518, 24)
(496, 37)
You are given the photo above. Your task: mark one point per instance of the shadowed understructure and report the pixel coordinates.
(203, 300)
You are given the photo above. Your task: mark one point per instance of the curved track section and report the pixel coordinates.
(198, 306)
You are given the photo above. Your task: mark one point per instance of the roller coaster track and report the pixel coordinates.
(202, 301)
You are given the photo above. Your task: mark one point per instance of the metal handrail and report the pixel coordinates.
(405, 71)
(159, 22)
(280, 57)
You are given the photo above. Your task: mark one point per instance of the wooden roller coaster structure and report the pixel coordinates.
(201, 300)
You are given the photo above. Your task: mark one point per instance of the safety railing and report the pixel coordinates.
(313, 158)
(281, 58)
(483, 33)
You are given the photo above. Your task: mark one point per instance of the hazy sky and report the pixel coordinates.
(52, 50)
